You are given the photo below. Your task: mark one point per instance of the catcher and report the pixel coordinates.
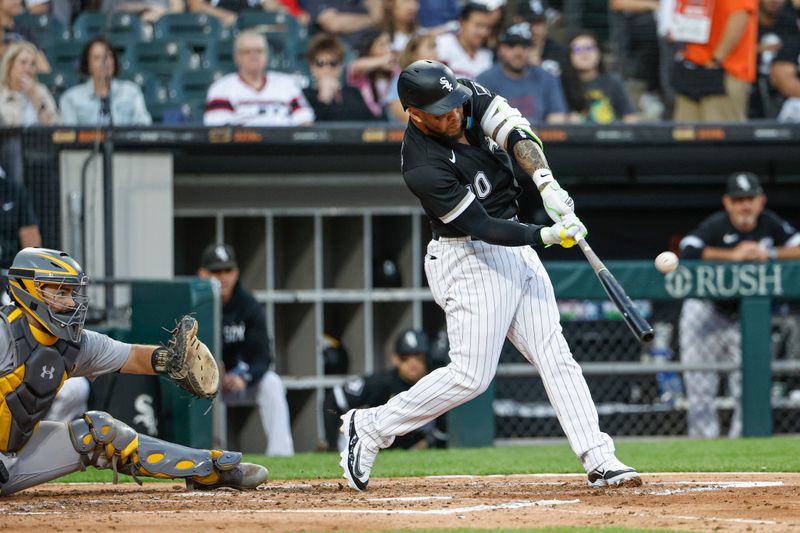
(43, 342)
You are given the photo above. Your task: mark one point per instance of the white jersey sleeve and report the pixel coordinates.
(100, 354)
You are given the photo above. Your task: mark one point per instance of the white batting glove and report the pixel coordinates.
(564, 233)
(557, 202)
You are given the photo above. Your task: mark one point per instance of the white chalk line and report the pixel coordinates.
(439, 512)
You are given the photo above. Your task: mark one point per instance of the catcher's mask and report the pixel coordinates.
(51, 287)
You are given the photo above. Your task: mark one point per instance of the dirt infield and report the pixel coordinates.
(699, 502)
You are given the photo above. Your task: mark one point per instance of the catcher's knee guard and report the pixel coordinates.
(115, 444)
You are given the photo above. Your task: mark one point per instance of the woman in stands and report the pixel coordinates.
(23, 100)
(331, 98)
(592, 94)
(400, 20)
(82, 105)
(374, 69)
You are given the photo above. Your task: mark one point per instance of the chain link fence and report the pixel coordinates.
(684, 382)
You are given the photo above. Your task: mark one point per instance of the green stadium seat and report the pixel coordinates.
(58, 82)
(64, 57)
(219, 56)
(88, 25)
(124, 29)
(192, 85)
(161, 58)
(197, 30)
(47, 29)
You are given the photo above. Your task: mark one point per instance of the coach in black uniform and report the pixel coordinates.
(457, 160)
(246, 377)
(409, 364)
(709, 330)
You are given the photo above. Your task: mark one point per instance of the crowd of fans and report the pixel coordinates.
(338, 60)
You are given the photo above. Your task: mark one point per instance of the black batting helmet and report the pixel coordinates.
(431, 87)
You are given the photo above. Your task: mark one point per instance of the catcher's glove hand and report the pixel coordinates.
(187, 361)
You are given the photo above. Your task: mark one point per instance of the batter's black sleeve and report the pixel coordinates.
(476, 222)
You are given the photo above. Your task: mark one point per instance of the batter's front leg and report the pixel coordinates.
(536, 333)
(47, 456)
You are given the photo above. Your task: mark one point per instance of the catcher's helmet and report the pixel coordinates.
(431, 87)
(61, 311)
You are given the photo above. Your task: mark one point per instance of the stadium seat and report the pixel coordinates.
(197, 30)
(88, 25)
(219, 56)
(65, 56)
(58, 82)
(162, 58)
(124, 29)
(192, 85)
(47, 29)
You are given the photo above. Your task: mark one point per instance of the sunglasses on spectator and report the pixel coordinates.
(333, 63)
(585, 48)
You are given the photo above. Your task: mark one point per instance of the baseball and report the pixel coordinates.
(666, 262)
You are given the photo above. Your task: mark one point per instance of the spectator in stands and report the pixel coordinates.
(347, 19)
(439, 16)
(420, 46)
(635, 43)
(254, 96)
(764, 98)
(709, 330)
(62, 10)
(246, 377)
(12, 33)
(83, 104)
(529, 88)
(400, 20)
(23, 100)
(373, 70)
(464, 51)
(227, 11)
(19, 227)
(785, 77)
(331, 99)
(408, 366)
(148, 10)
(714, 80)
(544, 51)
(592, 94)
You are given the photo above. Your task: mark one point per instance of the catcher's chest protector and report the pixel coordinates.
(27, 392)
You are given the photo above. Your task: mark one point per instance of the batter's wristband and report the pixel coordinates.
(542, 177)
(158, 360)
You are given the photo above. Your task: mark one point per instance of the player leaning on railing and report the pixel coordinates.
(43, 342)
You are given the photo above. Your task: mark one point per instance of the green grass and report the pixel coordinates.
(776, 454)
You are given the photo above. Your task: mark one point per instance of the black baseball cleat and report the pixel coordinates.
(357, 459)
(245, 476)
(614, 474)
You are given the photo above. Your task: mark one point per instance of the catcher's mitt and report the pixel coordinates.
(187, 361)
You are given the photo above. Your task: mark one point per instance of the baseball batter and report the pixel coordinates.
(482, 270)
(43, 342)
(709, 330)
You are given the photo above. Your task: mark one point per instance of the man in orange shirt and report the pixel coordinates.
(731, 46)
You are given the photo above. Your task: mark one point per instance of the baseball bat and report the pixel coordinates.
(639, 326)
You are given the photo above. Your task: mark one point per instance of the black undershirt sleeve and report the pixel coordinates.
(474, 221)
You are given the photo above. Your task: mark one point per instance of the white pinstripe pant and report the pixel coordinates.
(489, 292)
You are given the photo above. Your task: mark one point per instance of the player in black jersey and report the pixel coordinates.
(709, 330)
(482, 270)
(409, 364)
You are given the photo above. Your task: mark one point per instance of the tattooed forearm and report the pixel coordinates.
(529, 156)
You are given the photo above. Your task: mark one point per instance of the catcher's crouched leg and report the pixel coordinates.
(105, 442)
